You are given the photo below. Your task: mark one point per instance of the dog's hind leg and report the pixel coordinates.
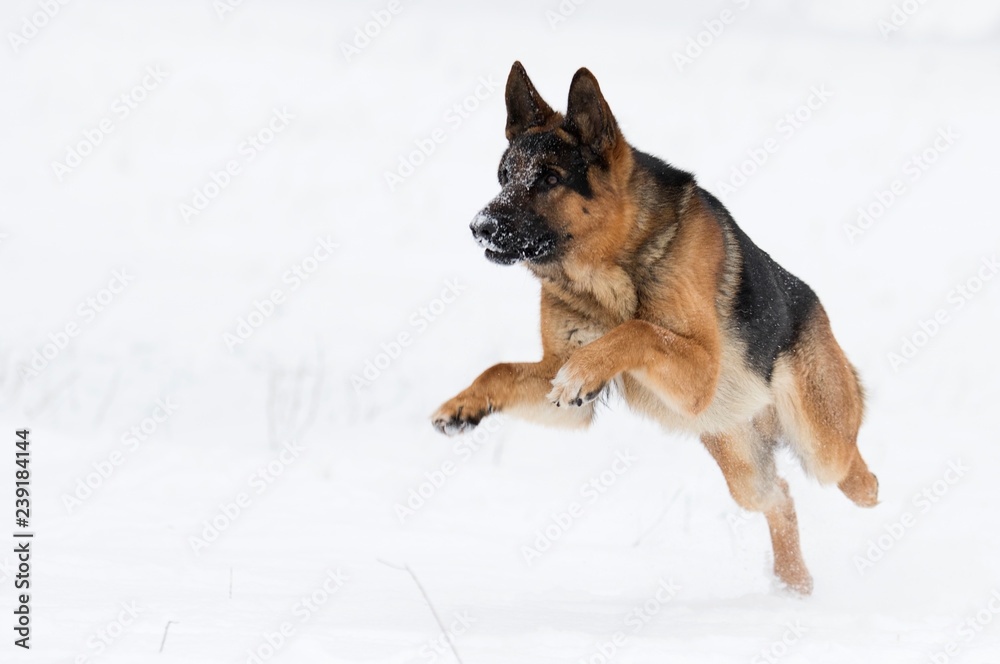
(820, 404)
(746, 457)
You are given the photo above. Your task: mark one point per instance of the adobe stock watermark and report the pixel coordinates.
(34, 22)
(86, 313)
(230, 512)
(912, 170)
(634, 621)
(563, 11)
(928, 328)
(365, 34)
(739, 518)
(106, 635)
(785, 128)
(122, 107)
(704, 39)
(438, 646)
(294, 277)
(779, 647)
(6, 569)
(453, 118)
(302, 612)
(87, 485)
(434, 480)
(923, 501)
(421, 319)
(968, 630)
(218, 181)
(224, 8)
(562, 521)
(900, 15)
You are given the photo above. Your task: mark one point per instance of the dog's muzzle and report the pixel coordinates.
(507, 243)
(484, 229)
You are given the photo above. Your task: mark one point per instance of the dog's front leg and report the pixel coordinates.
(682, 370)
(518, 389)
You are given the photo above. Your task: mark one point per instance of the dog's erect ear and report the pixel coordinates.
(525, 107)
(588, 116)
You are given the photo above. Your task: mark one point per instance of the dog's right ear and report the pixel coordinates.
(525, 107)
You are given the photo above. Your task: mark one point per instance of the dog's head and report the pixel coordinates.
(555, 175)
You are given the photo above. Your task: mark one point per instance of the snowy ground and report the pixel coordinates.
(659, 565)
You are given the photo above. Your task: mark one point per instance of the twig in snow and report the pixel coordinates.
(392, 565)
(165, 630)
(272, 408)
(298, 378)
(52, 395)
(314, 400)
(109, 396)
(430, 605)
(293, 400)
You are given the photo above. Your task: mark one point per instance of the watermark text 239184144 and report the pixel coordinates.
(22, 536)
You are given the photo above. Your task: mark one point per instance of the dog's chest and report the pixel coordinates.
(573, 333)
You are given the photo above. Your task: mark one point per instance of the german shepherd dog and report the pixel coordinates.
(648, 284)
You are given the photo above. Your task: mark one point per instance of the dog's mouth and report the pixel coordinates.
(530, 249)
(502, 258)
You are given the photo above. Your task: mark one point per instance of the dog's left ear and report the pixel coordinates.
(588, 115)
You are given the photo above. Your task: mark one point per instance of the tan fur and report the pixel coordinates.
(820, 406)
(745, 456)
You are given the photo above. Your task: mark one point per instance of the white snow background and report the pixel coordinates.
(886, 591)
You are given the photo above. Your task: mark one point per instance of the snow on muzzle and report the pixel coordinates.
(484, 230)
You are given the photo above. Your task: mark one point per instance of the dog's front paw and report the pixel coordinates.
(461, 414)
(578, 382)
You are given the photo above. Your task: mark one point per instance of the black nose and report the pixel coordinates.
(483, 227)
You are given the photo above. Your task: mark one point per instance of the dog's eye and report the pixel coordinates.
(549, 179)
